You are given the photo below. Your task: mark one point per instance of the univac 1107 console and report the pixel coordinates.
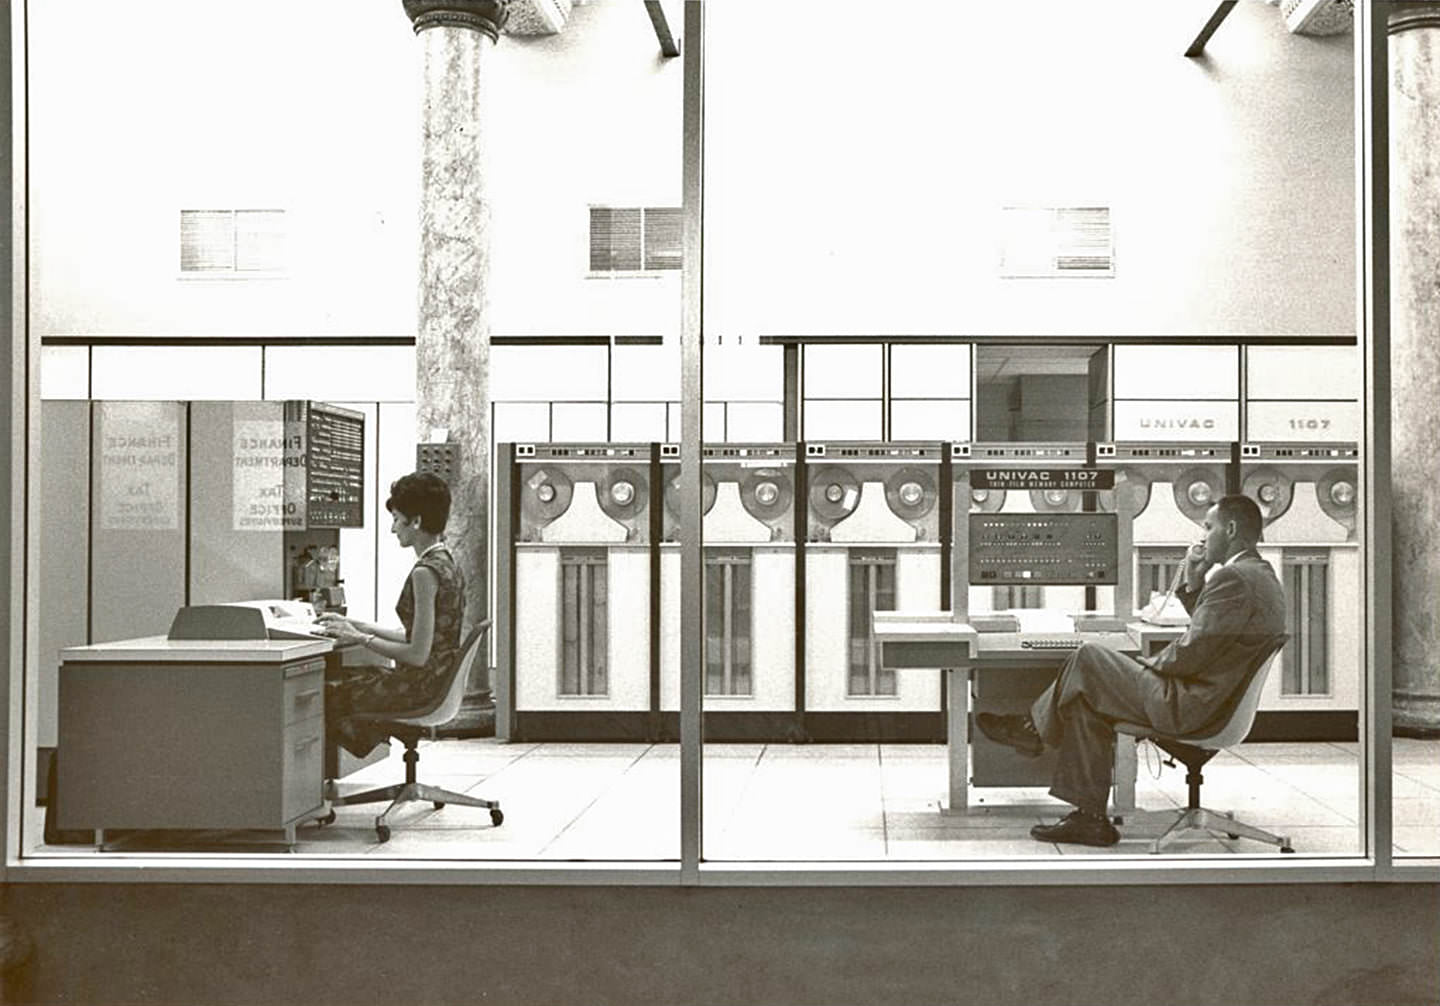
(1043, 548)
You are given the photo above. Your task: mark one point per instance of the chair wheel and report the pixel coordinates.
(382, 832)
(1231, 835)
(1286, 848)
(497, 817)
(327, 819)
(439, 804)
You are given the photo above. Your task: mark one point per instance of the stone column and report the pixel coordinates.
(452, 338)
(1414, 56)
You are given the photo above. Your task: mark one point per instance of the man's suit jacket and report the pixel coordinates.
(1235, 617)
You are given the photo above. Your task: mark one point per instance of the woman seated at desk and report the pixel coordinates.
(431, 607)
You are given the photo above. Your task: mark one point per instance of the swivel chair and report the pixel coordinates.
(408, 727)
(1195, 749)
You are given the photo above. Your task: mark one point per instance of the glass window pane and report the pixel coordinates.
(929, 370)
(751, 422)
(744, 373)
(637, 422)
(547, 373)
(836, 371)
(936, 420)
(842, 421)
(176, 373)
(64, 372)
(358, 373)
(580, 421)
(1188, 373)
(645, 373)
(521, 422)
(1303, 372)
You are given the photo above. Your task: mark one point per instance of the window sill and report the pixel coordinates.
(1050, 872)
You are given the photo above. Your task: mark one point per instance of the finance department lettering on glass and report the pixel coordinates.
(268, 487)
(139, 466)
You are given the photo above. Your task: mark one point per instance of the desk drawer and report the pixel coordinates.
(302, 760)
(304, 694)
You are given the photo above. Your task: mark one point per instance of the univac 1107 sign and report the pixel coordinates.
(1042, 478)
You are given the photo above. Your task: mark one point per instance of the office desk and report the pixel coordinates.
(156, 733)
(929, 640)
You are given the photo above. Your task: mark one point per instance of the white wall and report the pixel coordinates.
(856, 162)
(314, 108)
(858, 155)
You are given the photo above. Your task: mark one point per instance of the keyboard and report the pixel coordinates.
(1058, 641)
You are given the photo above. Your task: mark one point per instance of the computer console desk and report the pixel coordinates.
(1008, 675)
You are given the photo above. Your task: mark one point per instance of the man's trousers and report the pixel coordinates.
(1096, 687)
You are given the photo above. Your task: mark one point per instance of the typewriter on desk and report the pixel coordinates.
(264, 619)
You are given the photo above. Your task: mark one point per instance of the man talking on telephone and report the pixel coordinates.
(1235, 614)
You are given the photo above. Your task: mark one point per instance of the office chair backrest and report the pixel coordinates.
(1237, 726)
(449, 707)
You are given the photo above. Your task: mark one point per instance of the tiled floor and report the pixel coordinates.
(826, 802)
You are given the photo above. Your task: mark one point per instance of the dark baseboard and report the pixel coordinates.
(734, 727)
(1306, 725)
(853, 728)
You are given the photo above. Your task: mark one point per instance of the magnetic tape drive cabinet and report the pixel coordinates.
(874, 541)
(1308, 496)
(575, 585)
(748, 529)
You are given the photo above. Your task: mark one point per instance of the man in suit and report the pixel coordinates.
(1194, 683)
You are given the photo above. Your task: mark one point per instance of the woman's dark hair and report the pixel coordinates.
(423, 495)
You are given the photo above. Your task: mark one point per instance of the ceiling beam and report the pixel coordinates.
(1198, 46)
(668, 45)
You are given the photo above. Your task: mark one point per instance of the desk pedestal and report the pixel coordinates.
(148, 745)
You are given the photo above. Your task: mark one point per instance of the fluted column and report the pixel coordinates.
(452, 339)
(1414, 56)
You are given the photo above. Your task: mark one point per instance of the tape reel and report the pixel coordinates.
(766, 494)
(1054, 500)
(545, 494)
(1272, 489)
(1196, 491)
(1337, 493)
(672, 491)
(1131, 493)
(911, 493)
(986, 500)
(623, 494)
(834, 494)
